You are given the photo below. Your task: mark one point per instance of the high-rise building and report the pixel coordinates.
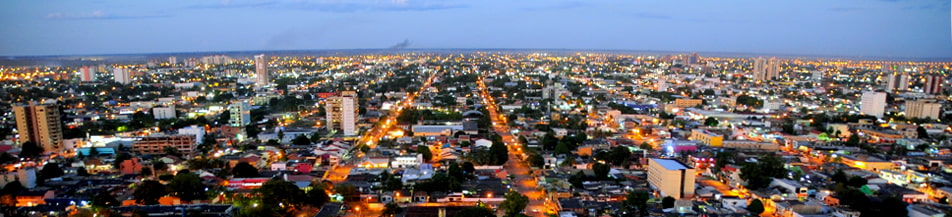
(933, 84)
(240, 114)
(897, 81)
(167, 112)
(766, 69)
(923, 109)
(86, 74)
(261, 71)
(173, 60)
(671, 178)
(122, 75)
(342, 112)
(873, 103)
(694, 58)
(39, 123)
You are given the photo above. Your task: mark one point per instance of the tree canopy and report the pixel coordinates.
(514, 203)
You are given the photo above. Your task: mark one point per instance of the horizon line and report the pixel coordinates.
(388, 50)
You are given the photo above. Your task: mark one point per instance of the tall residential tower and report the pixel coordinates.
(342, 112)
(39, 123)
(262, 78)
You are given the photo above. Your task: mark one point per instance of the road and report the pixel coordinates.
(524, 183)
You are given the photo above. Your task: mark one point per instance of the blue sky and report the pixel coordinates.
(880, 28)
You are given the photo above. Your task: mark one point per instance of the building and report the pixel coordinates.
(694, 58)
(933, 84)
(923, 109)
(671, 178)
(86, 74)
(873, 103)
(240, 114)
(707, 137)
(39, 124)
(122, 75)
(342, 112)
(27, 177)
(817, 75)
(897, 81)
(164, 112)
(173, 60)
(194, 130)
(185, 144)
(262, 78)
(684, 103)
(766, 69)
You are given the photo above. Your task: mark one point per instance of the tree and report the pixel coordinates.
(619, 155)
(853, 141)
(475, 211)
(348, 191)
(601, 170)
(499, 153)
(758, 175)
(244, 170)
(514, 203)
(301, 140)
(635, 200)
(148, 192)
(857, 181)
(711, 121)
(50, 170)
(276, 193)
(562, 148)
(425, 151)
(721, 159)
(252, 131)
(187, 186)
(6, 158)
(317, 196)
(756, 207)
(645, 146)
(536, 160)
(921, 132)
(667, 202)
(456, 172)
(105, 199)
(392, 209)
(469, 168)
(30, 149)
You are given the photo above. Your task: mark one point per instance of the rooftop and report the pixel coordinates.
(671, 164)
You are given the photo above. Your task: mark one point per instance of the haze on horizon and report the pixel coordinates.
(862, 28)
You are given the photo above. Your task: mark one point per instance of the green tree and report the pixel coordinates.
(711, 121)
(667, 202)
(252, 131)
(244, 170)
(148, 192)
(619, 155)
(601, 170)
(635, 201)
(105, 199)
(853, 140)
(425, 151)
(469, 168)
(562, 148)
(317, 196)
(187, 186)
(756, 207)
(514, 203)
(499, 153)
(301, 140)
(922, 133)
(758, 175)
(50, 170)
(348, 191)
(279, 193)
(392, 209)
(30, 149)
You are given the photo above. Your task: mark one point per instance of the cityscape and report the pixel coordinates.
(221, 121)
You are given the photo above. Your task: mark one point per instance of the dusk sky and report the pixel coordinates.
(868, 28)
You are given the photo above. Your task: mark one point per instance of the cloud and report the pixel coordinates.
(97, 15)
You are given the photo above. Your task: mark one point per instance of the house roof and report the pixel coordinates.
(670, 164)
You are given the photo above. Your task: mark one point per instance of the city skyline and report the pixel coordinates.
(844, 28)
